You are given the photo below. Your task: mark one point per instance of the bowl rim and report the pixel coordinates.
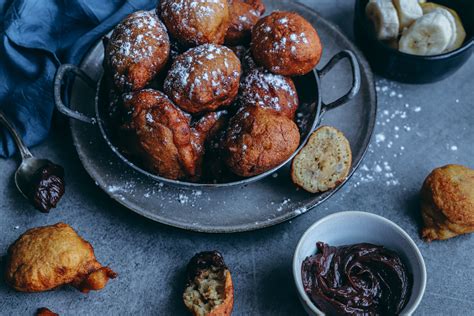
(468, 42)
(296, 266)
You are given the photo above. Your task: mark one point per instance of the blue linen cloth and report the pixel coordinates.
(36, 37)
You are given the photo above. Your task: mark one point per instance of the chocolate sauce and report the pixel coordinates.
(47, 187)
(360, 279)
(204, 261)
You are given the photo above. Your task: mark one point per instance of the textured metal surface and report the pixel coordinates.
(240, 208)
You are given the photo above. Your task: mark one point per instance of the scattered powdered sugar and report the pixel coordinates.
(301, 210)
(288, 43)
(163, 195)
(114, 188)
(380, 137)
(127, 187)
(183, 199)
(282, 204)
(377, 168)
(149, 118)
(263, 88)
(244, 22)
(390, 133)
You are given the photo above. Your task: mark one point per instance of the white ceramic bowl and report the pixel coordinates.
(347, 228)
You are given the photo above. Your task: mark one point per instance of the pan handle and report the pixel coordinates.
(58, 81)
(355, 77)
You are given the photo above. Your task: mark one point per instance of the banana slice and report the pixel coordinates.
(421, 1)
(408, 11)
(384, 16)
(429, 35)
(460, 35)
(452, 21)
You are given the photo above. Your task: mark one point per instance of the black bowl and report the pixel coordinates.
(393, 64)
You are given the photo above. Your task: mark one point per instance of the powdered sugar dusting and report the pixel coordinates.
(135, 39)
(391, 130)
(203, 68)
(188, 11)
(281, 37)
(268, 90)
(282, 204)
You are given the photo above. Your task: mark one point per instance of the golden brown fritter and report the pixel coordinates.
(194, 23)
(158, 133)
(258, 140)
(243, 17)
(204, 79)
(262, 88)
(447, 202)
(286, 44)
(137, 50)
(162, 136)
(47, 257)
(257, 5)
(209, 290)
(324, 162)
(43, 311)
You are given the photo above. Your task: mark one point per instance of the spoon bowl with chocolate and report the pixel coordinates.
(358, 263)
(39, 180)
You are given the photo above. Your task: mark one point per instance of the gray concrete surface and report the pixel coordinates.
(419, 128)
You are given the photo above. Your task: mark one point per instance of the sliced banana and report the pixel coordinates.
(408, 11)
(428, 35)
(384, 16)
(452, 21)
(460, 33)
(421, 1)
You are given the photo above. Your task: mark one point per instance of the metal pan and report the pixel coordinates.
(309, 112)
(257, 205)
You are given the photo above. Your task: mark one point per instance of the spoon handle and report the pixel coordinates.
(25, 153)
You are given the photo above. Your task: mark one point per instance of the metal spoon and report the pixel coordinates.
(29, 164)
